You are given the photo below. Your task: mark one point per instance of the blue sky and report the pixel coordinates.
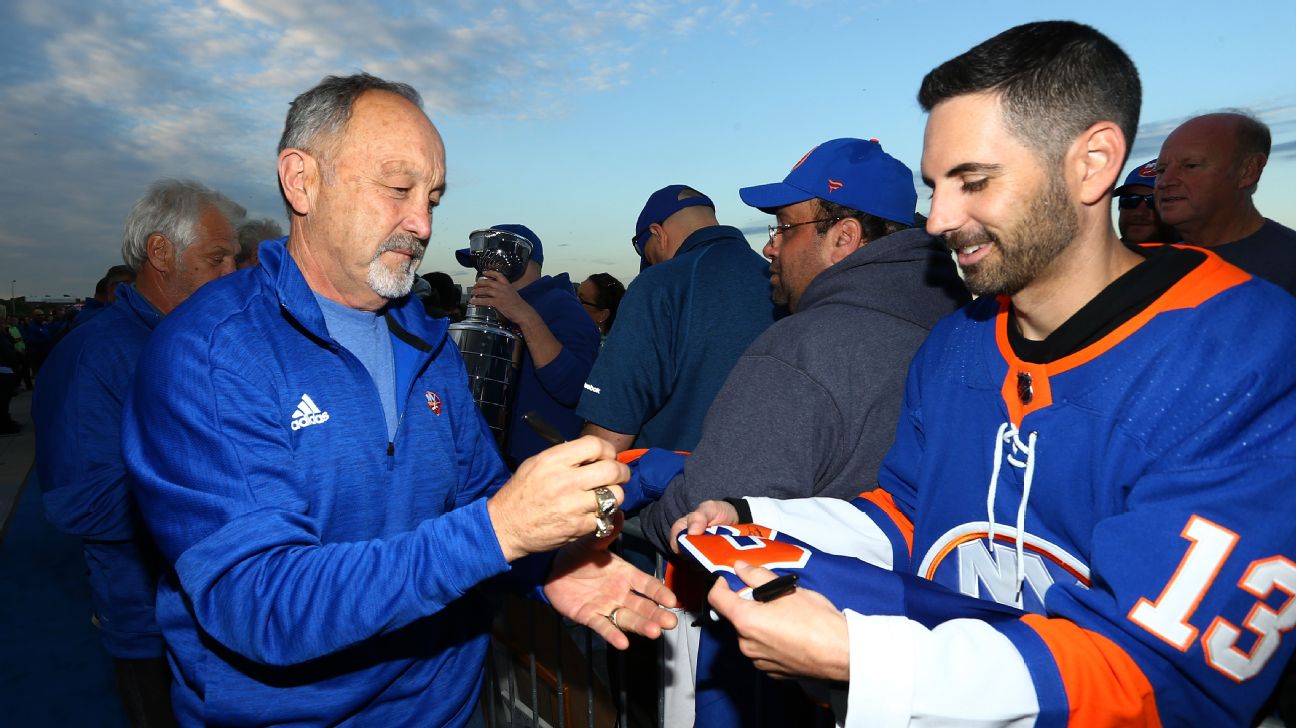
(562, 116)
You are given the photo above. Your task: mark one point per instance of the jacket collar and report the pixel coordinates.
(703, 237)
(412, 325)
(132, 299)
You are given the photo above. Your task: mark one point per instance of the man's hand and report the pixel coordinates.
(494, 289)
(588, 584)
(707, 514)
(550, 500)
(798, 635)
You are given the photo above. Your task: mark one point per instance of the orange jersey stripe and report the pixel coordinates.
(1104, 686)
(883, 500)
(1207, 280)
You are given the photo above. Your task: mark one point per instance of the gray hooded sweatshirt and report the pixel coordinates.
(811, 407)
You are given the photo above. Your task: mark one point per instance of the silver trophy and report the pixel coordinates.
(492, 353)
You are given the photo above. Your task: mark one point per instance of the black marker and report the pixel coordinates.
(775, 588)
(546, 431)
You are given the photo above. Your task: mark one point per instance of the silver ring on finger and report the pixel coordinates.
(604, 502)
(612, 616)
(604, 528)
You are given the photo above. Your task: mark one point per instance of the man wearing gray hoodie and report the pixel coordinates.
(810, 409)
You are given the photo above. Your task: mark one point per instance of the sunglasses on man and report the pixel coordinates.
(1131, 202)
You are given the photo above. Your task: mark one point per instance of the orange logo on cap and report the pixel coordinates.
(1148, 170)
(834, 185)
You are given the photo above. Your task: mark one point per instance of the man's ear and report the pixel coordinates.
(659, 231)
(844, 238)
(298, 174)
(161, 253)
(1096, 157)
(1250, 169)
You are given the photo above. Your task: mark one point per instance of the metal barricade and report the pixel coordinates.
(544, 671)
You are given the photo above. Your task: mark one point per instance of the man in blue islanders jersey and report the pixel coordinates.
(1105, 440)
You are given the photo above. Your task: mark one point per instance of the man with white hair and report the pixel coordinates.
(325, 495)
(179, 236)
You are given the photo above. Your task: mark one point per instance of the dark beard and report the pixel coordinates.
(1026, 248)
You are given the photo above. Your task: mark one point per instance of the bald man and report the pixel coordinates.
(1207, 173)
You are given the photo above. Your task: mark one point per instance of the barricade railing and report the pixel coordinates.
(547, 672)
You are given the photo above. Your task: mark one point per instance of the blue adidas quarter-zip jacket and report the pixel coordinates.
(321, 572)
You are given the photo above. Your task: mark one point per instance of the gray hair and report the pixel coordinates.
(171, 207)
(252, 232)
(317, 116)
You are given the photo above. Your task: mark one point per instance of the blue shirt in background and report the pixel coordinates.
(680, 328)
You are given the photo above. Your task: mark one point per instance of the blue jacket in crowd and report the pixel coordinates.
(77, 408)
(554, 389)
(322, 572)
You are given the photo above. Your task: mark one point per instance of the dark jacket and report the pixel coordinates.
(554, 389)
(811, 407)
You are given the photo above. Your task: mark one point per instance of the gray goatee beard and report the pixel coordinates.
(395, 281)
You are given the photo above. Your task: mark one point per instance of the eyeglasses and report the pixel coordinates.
(640, 240)
(1131, 202)
(591, 305)
(778, 229)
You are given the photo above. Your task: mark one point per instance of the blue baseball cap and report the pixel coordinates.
(850, 172)
(662, 204)
(465, 258)
(1142, 176)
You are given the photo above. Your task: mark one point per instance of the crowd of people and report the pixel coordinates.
(1027, 466)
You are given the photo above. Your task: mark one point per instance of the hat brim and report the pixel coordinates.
(1124, 189)
(770, 197)
(465, 257)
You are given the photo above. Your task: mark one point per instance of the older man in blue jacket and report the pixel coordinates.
(307, 453)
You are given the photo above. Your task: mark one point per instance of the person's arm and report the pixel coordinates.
(493, 289)
(78, 455)
(742, 454)
(620, 440)
(634, 373)
(560, 337)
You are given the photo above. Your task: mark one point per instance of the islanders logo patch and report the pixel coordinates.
(433, 402)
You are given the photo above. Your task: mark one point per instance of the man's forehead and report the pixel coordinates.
(391, 130)
(1202, 135)
(966, 133)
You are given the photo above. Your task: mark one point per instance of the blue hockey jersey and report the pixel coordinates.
(1131, 499)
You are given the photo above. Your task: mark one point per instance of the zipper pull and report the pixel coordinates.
(391, 448)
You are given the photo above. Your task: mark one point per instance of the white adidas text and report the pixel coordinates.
(307, 414)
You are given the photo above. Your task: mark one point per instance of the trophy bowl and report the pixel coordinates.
(499, 250)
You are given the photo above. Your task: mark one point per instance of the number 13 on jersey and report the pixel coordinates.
(1167, 617)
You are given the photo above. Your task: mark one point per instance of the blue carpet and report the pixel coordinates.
(53, 668)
